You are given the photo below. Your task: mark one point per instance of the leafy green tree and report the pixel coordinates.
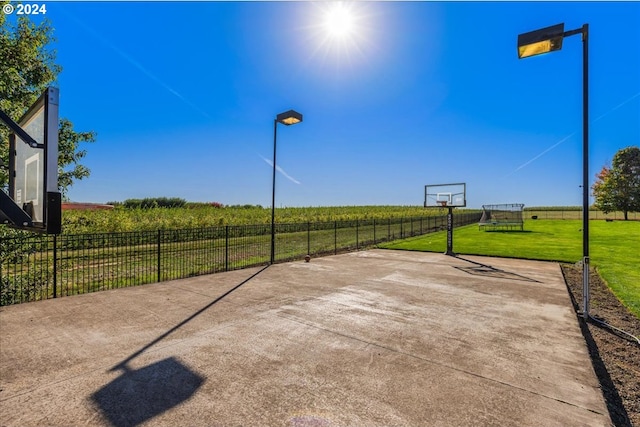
(618, 188)
(69, 155)
(602, 191)
(27, 68)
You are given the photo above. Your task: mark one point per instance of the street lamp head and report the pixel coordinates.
(540, 41)
(289, 118)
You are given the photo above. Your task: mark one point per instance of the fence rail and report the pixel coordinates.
(577, 214)
(37, 267)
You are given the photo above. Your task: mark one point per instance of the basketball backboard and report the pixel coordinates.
(445, 195)
(33, 168)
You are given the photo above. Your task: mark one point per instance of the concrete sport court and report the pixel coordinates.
(375, 338)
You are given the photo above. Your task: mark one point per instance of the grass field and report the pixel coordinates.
(614, 248)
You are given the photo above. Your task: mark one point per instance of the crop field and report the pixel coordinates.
(613, 248)
(122, 220)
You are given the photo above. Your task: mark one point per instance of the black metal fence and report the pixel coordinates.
(577, 214)
(36, 267)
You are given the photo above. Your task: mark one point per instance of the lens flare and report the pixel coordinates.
(339, 21)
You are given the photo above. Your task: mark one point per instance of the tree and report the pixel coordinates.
(27, 68)
(618, 188)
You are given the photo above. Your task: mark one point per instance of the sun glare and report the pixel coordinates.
(341, 32)
(339, 21)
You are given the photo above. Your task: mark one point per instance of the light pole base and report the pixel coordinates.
(585, 288)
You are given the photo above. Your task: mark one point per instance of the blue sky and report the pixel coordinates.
(183, 98)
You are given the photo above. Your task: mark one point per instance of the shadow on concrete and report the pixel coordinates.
(138, 395)
(122, 365)
(480, 269)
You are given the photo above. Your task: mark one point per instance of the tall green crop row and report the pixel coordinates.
(122, 219)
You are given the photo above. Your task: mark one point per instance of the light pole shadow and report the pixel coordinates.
(138, 395)
(480, 269)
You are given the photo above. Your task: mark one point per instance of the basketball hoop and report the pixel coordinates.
(442, 203)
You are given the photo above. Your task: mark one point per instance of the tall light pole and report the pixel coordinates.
(287, 118)
(549, 39)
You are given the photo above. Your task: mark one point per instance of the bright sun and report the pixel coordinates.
(338, 21)
(341, 31)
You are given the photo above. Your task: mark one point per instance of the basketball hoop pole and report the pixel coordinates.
(446, 196)
(450, 233)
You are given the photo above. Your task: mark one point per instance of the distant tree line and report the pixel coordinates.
(175, 202)
(151, 202)
(245, 206)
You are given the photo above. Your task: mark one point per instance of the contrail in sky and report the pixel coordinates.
(279, 169)
(616, 107)
(569, 136)
(139, 66)
(541, 154)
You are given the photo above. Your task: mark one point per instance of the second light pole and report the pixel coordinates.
(287, 118)
(550, 39)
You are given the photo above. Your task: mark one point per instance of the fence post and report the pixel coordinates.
(335, 237)
(388, 229)
(226, 248)
(159, 237)
(308, 238)
(374, 232)
(55, 266)
(357, 245)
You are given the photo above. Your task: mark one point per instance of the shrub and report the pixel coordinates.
(154, 202)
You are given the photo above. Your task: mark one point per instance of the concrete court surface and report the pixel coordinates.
(375, 338)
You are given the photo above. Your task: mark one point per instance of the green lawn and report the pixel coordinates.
(614, 248)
